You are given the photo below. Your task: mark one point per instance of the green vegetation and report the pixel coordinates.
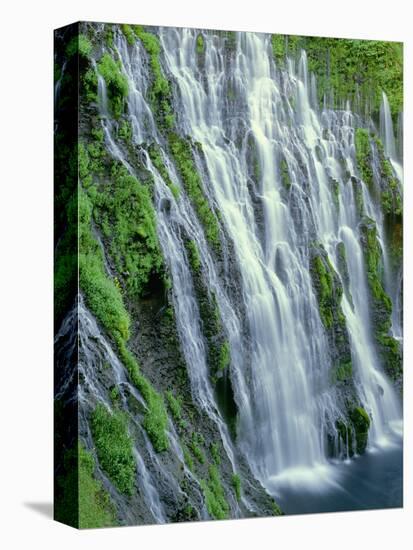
(79, 45)
(285, 174)
(347, 68)
(363, 155)
(188, 458)
(89, 83)
(200, 46)
(216, 502)
(114, 395)
(103, 297)
(391, 198)
(224, 356)
(114, 447)
(160, 95)
(389, 348)
(156, 158)
(129, 34)
(342, 372)
(182, 154)
(116, 83)
(328, 289)
(361, 423)
(195, 446)
(131, 210)
(125, 131)
(95, 507)
(174, 405)
(214, 450)
(236, 484)
(82, 501)
(194, 257)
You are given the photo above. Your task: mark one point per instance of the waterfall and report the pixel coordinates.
(386, 128)
(279, 173)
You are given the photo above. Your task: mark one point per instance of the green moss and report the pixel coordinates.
(131, 205)
(157, 160)
(278, 44)
(349, 69)
(195, 447)
(114, 447)
(183, 158)
(81, 500)
(174, 405)
(159, 93)
(335, 191)
(102, 296)
(214, 494)
(342, 372)
(116, 83)
(125, 131)
(188, 458)
(95, 507)
(285, 174)
(363, 155)
(224, 356)
(236, 484)
(194, 257)
(390, 354)
(200, 46)
(325, 290)
(214, 450)
(129, 34)
(361, 423)
(79, 45)
(114, 395)
(89, 82)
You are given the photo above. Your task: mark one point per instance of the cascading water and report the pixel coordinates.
(282, 176)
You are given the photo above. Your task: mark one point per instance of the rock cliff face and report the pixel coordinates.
(228, 280)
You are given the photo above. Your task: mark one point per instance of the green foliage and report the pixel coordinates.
(194, 257)
(361, 423)
(200, 46)
(236, 484)
(116, 83)
(342, 372)
(125, 131)
(195, 447)
(182, 154)
(216, 502)
(214, 449)
(129, 34)
(134, 244)
(188, 458)
(363, 155)
(89, 81)
(324, 289)
(347, 68)
(79, 45)
(81, 500)
(285, 175)
(156, 418)
(114, 447)
(224, 356)
(160, 95)
(103, 294)
(95, 507)
(157, 160)
(390, 353)
(174, 405)
(114, 395)
(374, 265)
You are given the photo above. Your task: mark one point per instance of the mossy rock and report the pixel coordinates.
(361, 422)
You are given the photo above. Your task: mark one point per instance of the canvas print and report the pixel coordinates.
(228, 274)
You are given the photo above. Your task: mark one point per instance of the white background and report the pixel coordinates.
(26, 271)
